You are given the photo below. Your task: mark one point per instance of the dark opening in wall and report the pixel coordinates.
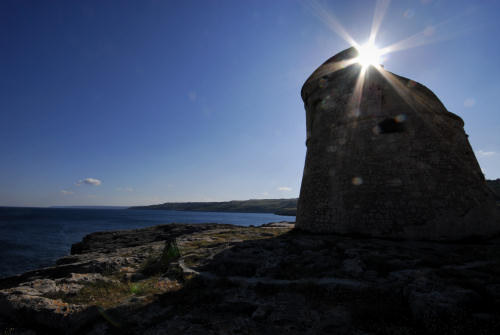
(391, 125)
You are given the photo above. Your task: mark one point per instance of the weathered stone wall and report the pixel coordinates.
(395, 163)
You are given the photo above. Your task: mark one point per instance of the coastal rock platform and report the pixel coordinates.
(225, 279)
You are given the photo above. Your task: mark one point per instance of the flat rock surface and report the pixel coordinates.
(223, 279)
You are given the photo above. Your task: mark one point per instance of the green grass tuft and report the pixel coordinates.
(158, 265)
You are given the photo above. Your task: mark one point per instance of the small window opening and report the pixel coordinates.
(391, 125)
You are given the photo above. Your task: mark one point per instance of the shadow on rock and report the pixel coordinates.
(267, 280)
(311, 284)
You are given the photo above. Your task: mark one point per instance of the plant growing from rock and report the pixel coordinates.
(157, 265)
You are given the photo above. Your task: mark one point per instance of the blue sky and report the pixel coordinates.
(142, 102)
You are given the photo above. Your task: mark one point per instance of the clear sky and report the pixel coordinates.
(142, 102)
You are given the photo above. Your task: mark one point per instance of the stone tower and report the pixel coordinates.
(385, 158)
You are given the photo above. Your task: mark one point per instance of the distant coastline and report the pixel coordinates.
(274, 206)
(90, 207)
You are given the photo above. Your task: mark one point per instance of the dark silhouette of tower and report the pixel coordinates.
(385, 158)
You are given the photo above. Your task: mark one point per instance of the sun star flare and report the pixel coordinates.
(369, 54)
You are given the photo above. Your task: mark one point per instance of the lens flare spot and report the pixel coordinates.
(409, 13)
(355, 112)
(429, 31)
(400, 118)
(469, 102)
(357, 181)
(411, 84)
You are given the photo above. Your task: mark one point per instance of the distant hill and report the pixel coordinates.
(276, 206)
(495, 186)
(90, 207)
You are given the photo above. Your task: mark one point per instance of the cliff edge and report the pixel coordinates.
(224, 279)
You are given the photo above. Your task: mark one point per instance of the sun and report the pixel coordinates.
(369, 54)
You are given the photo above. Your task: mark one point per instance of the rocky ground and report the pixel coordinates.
(223, 279)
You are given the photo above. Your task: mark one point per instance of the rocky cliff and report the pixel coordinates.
(223, 279)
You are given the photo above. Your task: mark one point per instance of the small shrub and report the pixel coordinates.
(170, 253)
(135, 288)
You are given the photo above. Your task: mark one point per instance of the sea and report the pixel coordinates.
(32, 238)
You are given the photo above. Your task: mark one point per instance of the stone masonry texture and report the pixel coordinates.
(389, 162)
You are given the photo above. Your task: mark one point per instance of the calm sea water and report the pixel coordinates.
(31, 238)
